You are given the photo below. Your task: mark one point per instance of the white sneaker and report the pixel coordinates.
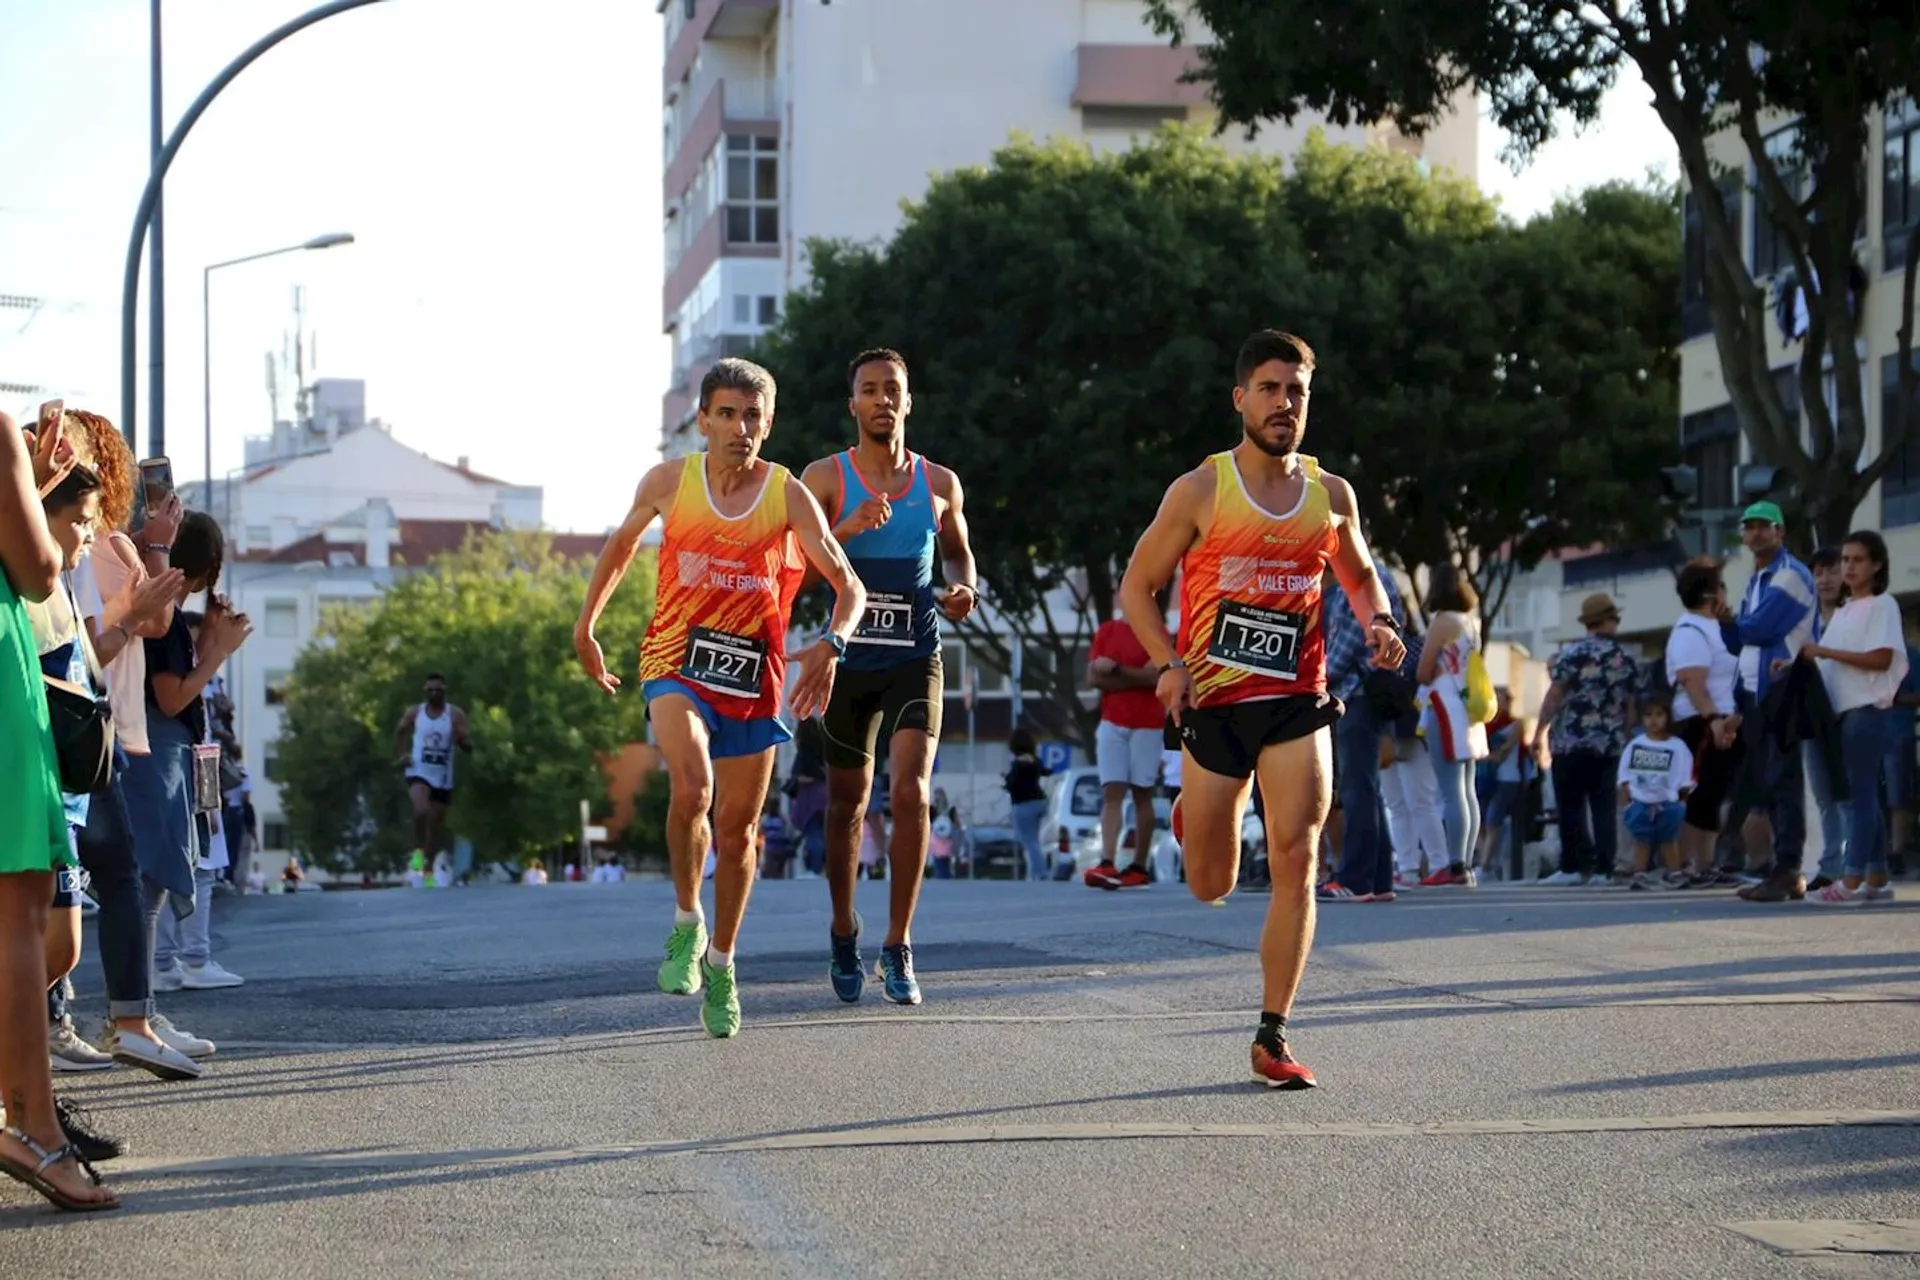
(150, 1055)
(178, 1040)
(207, 977)
(168, 979)
(1562, 880)
(68, 1052)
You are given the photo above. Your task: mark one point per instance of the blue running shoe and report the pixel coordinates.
(849, 979)
(896, 974)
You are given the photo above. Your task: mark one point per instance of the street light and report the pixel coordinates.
(329, 241)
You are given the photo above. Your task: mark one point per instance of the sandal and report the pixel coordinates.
(36, 1177)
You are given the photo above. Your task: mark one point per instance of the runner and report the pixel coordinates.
(892, 510)
(714, 658)
(1245, 687)
(425, 739)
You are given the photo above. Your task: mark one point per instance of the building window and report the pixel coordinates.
(270, 765)
(1772, 251)
(1695, 318)
(276, 682)
(1710, 444)
(1128, 119)
(753, 189)
(769, 309)
(259, 535)
(743, 308)
(283, 619)
(1900, 486)
(273, 835)
(1900, 182)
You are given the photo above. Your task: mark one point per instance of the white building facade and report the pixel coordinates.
(787, 120)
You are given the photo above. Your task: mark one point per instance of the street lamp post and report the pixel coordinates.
(150, 197)
(206, 333)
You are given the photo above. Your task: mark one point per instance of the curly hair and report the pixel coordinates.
(101, 449)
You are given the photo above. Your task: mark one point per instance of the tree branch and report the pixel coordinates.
(1909, 417)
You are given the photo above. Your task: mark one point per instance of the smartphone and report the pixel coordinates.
(50, 413)
(156, 481)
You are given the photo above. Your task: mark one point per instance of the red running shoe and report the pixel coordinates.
(1135, 877)
(1103, 876)
(1444, 876)
(1274, 1067)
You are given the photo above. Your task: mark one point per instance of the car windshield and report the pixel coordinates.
(1085, 800)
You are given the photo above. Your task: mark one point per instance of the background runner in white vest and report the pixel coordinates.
(426, 738)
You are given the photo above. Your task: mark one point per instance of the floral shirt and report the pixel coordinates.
(1600, 678)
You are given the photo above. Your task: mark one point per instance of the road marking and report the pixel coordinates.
(1818, 1238)
(908, 1135)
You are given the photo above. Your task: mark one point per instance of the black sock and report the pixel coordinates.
(1273, 1026)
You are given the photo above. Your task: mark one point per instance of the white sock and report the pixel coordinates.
(717, 958)
(689, 917)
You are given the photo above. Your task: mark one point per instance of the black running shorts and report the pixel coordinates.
(868, 704)
(441, 796)
(1227, 739)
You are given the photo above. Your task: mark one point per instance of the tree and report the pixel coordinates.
(496, 618)
(1069, 320)
(1712, 66)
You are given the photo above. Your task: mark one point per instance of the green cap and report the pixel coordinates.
(1765, 512)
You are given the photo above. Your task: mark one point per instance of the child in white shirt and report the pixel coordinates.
(1656, 773)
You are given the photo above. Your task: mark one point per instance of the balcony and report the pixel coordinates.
(739, 105)
(1135, 75)
(723, 19)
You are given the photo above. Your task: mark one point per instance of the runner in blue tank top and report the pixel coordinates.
(895, 513)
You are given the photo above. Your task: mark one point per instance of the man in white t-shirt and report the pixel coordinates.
(1656, 773)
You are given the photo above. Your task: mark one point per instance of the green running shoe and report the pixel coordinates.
(720, 1009)
(680, 971)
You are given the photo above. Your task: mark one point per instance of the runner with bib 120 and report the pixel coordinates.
(1252, 532)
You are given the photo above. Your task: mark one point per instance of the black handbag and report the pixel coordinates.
(82, 736)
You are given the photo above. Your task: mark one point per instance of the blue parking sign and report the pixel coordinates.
(1056, 756)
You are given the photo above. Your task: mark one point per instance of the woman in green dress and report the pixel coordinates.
(33, 835)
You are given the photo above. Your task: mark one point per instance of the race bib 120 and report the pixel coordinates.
(1264, 642)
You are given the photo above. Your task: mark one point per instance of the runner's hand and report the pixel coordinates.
(958, 602)
(588, 650)
(1389, 650)
(1175, 691)
(869, 515)
(815, 685)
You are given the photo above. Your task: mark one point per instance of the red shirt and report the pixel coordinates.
(1128, 708)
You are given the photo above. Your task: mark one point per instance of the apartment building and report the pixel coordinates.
(787, 120)
(1709, 432)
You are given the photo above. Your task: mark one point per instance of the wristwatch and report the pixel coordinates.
(1386, 620)
(839, 643)
(1178, 664)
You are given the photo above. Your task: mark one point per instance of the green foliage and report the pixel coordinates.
(496, 617)
(1071, 320)
(646, 835)
(1711, 67)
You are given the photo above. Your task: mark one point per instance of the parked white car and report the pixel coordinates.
(1071, 829)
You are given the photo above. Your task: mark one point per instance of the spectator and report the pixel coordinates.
(1829, 591)
(1584, 720)
(1030, 803)
(1656, 773)
(1704, 675)
(1365, 872)
(807, 789)
(1775, 624)
(1862, 656)
(1508, 768)
(940, 845)
(1127, 748)
(1454, 740)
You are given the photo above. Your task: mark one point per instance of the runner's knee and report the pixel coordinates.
(1210, 883)
(908, 798)
(691, 792)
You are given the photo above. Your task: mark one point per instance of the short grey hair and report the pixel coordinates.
(735, 374)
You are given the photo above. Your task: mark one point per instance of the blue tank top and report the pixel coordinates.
(895, 562)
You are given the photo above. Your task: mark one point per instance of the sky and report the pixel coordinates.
(498, 164)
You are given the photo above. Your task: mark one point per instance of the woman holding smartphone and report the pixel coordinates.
(33, 839)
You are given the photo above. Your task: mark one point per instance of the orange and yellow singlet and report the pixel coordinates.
(725, 591)
(1250, 593)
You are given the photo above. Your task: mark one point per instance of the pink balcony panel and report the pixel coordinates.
(1136, 75)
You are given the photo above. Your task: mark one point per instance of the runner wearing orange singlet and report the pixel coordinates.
(1252, 532)
(739, 534)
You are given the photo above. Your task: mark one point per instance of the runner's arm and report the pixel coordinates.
(460, 738)
(827, 556)
(1155, 559)
(615, 558)
(1352, 561)
(822, 480)
(401, 747)
(956, 550)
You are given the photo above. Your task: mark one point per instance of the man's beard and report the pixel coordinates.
(1280, 450)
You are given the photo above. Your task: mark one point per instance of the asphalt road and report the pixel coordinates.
(1515, 1082)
